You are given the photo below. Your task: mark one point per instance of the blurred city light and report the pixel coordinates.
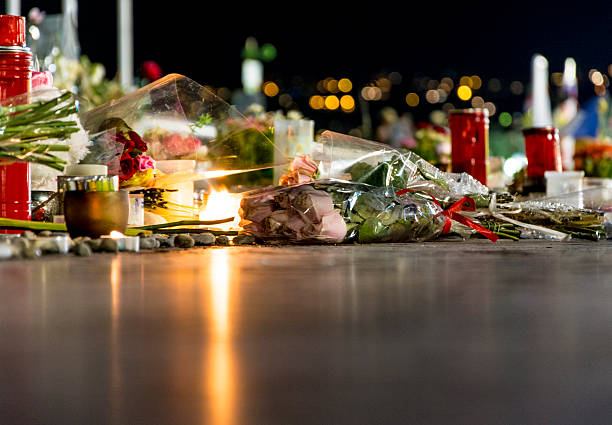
(332, 102)
(494, 85)
(432, 96)
(476, 82)
(270, 89)
(478, 102)
(464, 92)
(347, 103)
(316, 102)
(466, 81)
(345, 85)
(412, 99)
(505, 119)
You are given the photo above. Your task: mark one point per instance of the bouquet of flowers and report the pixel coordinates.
(432, 143)
(594, 157)
(32, 131)
(176, 119)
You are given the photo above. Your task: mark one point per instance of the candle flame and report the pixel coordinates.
(114, 234)
(220, 204)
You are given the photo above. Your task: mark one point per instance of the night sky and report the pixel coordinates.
(203, 40)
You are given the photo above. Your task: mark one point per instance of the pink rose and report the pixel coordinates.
(145, 162)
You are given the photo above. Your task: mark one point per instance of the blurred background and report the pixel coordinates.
(383, 71)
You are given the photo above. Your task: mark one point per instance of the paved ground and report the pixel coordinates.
(434, 333)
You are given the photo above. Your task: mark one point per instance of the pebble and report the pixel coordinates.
(5, 251)
(243, 240)
(201, 239)
(222, 240)
(48, 246)
(31, 253)
(29, 235)
(148, 243)
(94, 244)
(45, 233)
(21, 243)
(165, 242)
(184, 241)
(82, 250)
(109, 245)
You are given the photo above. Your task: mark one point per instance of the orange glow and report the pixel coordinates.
(222, 204)
(270, 89)
(345, 85)
(220, 371)
(316, 102)
(114, 234)
(347, 102)
(332, 102)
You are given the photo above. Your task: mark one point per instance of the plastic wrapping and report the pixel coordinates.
(350, 158)
(178, 119)
(334, 211)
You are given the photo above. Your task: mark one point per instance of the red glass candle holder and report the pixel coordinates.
(543, 151)
(470, 142)
(15, 80)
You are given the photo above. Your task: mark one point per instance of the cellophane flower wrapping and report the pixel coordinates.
(177, 119)
(334, 211)
(363, 161)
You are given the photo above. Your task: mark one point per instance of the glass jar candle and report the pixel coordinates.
(470, 142)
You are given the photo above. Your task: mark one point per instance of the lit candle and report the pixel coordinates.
(125, 243)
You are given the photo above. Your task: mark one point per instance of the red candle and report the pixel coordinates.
(543, 151)
(15, 79)
(470, 142)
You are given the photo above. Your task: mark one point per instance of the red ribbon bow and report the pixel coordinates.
(452, 213)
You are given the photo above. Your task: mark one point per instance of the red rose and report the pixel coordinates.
(128, 166)
(138, 142)
(128, 145)
(151, 70)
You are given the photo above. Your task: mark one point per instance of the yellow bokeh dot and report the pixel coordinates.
(347, 102)
(332, 85)
(412, 99)
(316, 102)
(332, 102)
(466, 81)
(345, 85)
(270, 89)
(464, 92)
(476, 82)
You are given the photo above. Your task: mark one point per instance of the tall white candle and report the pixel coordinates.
(542, 116)
(125, 44)
(13, 7)
(70, 43)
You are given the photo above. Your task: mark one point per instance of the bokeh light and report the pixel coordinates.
(412, 99)
(476, 82)
(464, 92)
(347, 103)
(490, 106)
(466, 81)
(332, 85)
(432, 96)
(345, 85)
(270, 89)
(316, 102)
(505, 119)
(597, 78)
(478, 102)
(517, 88)
(494, 85)
(332, 102)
